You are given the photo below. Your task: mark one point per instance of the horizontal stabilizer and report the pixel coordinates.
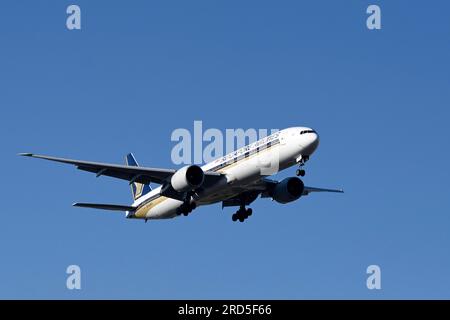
(113, 207)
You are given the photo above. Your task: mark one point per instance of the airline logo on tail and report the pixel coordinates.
(137, 189)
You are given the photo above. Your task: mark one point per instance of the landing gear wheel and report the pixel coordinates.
(186, 208)
(242, 214)
(300, 172)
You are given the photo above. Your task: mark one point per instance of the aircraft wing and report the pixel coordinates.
(264, 187)
(130, 173)
(308, 190)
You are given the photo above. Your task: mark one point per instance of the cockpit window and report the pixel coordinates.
(307, 131)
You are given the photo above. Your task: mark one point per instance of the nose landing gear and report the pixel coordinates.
(301, 160)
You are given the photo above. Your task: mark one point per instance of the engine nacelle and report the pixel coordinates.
(288, 190)
(187, 178)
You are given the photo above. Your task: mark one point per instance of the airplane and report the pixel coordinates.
(235, 180)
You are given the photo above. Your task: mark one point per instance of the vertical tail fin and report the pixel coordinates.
(137, 189)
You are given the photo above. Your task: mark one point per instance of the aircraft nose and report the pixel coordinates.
(314, 143)
(311, 143)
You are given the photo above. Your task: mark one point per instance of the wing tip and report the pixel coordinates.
(25, 154)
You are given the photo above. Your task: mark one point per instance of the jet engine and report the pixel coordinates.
(187, 178)
(288, 190)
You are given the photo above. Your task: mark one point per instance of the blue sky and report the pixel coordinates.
(138, 70)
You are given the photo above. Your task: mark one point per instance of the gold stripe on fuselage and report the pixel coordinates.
(145, 207)
(142, 210)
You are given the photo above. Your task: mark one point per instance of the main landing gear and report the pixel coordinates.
(187, 206)
(301, 172)
(242, 214)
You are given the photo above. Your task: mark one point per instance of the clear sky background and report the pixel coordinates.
(140, 69)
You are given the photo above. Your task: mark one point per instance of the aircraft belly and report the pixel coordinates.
(166, 209)
(225, 193)
(241, 175)
(238, 177)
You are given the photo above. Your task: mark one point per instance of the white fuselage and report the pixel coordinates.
(243, 167)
